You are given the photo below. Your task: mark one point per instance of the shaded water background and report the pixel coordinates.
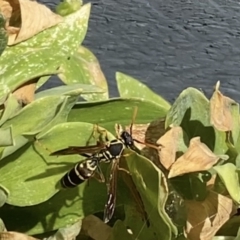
(168, 45)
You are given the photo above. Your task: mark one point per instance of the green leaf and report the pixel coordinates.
(129, 87)
(31, 166)
(11, 108)
(6, 137)
(83, 67)
(69, 232)
(67, 37)
(68, 6)
(148, 180)
(31, 64)
(119, 232)
(116, 110)
(64, 208)
(3, 35)
(191, 112)
(35, 116)
(236, 125)
(3, 195)
(228, 173)
(41, 81)
(61, 115)
(19, 141)
(73, 89)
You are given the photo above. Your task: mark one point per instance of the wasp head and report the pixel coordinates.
(127, 139)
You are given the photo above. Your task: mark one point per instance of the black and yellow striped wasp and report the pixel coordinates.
(109, 151)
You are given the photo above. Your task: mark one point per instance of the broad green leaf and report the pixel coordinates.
(190, 104)
(120, 232)
(68, 232)
(68, 6)
(64, 208)
(19, 141)
(3, 195)
(129, 87)
(6, 138)
(83, 67)
(139, 229)
(116, 110)
(31, 166)
(62, 114)
(148, 180)
(35, 116)
(11, 107)
(191, 112)
(33, 55)
(228, 173)
(3, 35)
(41, 81)
(73, 89)
(31, 64)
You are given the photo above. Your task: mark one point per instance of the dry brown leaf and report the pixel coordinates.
(198, 157)
(15, 236)
(206, 217)
(220, 110)
(25, 19)
(25, 94)
(169, 142)
(10, 9)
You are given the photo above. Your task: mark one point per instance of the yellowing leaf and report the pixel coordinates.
(25, 19)
(206, 217)
(220, 110)
(198, 157)
(169, 143)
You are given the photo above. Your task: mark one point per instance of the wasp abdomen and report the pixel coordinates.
(77, 175)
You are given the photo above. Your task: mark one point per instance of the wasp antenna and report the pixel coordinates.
(133, 118)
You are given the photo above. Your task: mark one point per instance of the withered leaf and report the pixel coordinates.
(206, 217)
(25, 93)
(25, 19)
(220, 110)
(198, 157)
(15, 236)
(169, 142)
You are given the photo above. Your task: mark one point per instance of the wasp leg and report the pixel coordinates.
(118, 130)
(98, 175)
(103, 134)
(93, 134)
(148, 144)
(124, 170)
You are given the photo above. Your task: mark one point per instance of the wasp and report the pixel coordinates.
(108, 151)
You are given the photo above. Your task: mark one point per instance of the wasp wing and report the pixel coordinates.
(79, 149)
(112, 191)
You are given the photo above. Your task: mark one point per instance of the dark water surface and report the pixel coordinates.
(169, 45)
